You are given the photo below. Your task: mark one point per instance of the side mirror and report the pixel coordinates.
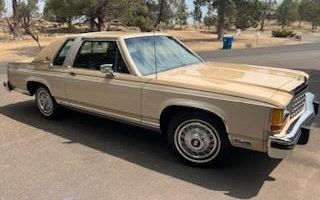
(107, 70)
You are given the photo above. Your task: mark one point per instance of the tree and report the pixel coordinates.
(136, 13)
(160, 11)
(96, 10)
(181, 12)
(197, 12)
(309, 10)
(246, 13)
(287, 12)
(266, 9)
(63, 11)
(1, 7)
(26, 11)
(224, 8)
(210, 21)
(15, 26)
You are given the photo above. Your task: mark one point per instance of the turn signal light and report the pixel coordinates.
(277, 116)
(278, 120)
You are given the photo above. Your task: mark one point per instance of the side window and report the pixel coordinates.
(93, 54)
(59, 60)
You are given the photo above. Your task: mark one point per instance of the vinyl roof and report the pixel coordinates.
(118, 34)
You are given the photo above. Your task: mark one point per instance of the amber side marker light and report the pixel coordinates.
(278, 120)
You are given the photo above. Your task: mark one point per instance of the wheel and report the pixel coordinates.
(198, 139)
(46, 104)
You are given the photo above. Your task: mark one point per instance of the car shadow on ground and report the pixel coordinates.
(242, 176)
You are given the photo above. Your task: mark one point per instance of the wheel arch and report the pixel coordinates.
(169, 110)
(33, 83)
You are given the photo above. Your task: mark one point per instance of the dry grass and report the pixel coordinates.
(21, 50)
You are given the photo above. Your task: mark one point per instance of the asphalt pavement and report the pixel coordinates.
(86, 157)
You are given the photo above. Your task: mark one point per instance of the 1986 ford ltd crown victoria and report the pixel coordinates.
(155, 81)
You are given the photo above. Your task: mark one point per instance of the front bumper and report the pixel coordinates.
(7, 85)
(280, 147)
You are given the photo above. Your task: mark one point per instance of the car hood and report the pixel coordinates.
(265, 84)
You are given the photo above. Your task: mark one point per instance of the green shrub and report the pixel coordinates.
(283, 33)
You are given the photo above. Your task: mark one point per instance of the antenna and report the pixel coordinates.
(155, 52)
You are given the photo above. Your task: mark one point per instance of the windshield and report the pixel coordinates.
(169, 53)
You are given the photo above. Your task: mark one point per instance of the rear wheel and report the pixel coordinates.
(198, 139)
(46, 104)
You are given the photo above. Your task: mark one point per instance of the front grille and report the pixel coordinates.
(298, 104)
(299, 100)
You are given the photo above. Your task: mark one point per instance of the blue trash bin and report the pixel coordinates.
(227, 42)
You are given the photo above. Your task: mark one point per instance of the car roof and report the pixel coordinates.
(119, 35)
(50, 51)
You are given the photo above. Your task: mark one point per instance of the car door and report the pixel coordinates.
(90, 89)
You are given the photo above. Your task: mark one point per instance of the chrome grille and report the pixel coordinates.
(298, 104)
(299, 100)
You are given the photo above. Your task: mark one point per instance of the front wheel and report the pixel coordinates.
(198, 139)
(46, 104)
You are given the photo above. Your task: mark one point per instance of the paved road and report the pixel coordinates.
(85, 157)
(293, 57)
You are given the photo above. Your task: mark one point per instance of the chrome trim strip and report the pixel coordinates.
(111, 116)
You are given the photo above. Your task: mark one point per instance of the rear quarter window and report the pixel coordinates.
(63, 52)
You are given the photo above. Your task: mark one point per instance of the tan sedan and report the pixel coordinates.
(154, 81)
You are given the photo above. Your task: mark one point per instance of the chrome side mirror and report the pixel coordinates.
(107, 70)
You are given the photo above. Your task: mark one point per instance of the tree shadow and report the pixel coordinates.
(242, 176)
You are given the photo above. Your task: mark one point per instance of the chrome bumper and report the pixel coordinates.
(7, 85)
(298, 132)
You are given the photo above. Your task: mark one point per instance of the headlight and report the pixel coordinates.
(279, 119)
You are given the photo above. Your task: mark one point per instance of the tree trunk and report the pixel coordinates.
(92, 23)
(300, 22)
(69, 23)
(100, 23)
(263, 20)
(262, 25)
(313, 25)
(28, 30)
(34, 36)
(221, 19)
(16, 26)
(109, 26)
(159, 18)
